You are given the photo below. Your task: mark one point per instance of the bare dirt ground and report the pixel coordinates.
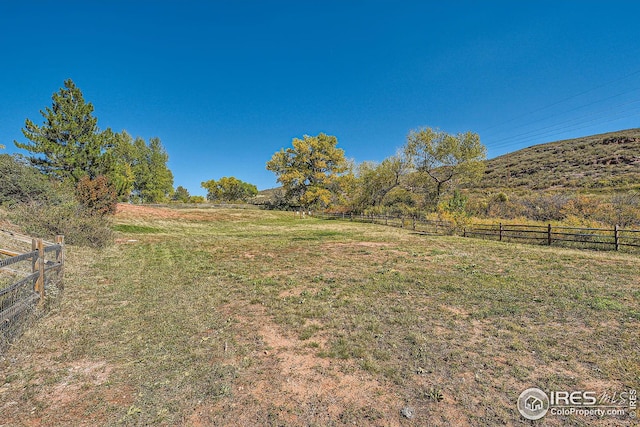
(287, 379)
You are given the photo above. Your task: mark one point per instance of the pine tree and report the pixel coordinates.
(68, 145)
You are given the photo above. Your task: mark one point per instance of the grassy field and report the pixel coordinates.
(246, 317)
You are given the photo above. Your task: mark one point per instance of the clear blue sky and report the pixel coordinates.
(225, 84)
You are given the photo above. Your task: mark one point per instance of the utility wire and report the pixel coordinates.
(541, 131)
(568, 111)
(564, 100)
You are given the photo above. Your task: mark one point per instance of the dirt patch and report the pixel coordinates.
(141, 212)
(288, 382)
(80, 386)
(357, 244)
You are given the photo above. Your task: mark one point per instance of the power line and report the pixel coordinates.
(528, 124)
(564, 100)
(562, 125)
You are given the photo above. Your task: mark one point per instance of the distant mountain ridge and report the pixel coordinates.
(608, 160)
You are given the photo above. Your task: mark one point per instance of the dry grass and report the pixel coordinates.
(223, 317)
(602, 162)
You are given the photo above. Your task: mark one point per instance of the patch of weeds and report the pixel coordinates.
(315, 235)
(136, 229)
(521, 373)
(467, 268)
(434, 394)
(370, 365)
(434, 252)
(360, 416)
(449, 288)
(308, 331)
(605, 304)
(343, 348)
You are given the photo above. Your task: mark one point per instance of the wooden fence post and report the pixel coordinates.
(60, 256)
(413, 225)
(616, 236)
(40, 281)
(500, 238)
(549, 235)
(34, 260)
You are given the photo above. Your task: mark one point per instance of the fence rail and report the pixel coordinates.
(615, 238)
(20, 297)
(417, 224)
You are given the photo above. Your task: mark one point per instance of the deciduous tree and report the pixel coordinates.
(376, 180)
(119, 160)
(440, 160)
(229, 189)
(308, 170)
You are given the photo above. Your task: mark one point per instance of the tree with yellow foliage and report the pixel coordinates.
(309, 169)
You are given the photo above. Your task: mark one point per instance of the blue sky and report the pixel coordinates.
(225, 84)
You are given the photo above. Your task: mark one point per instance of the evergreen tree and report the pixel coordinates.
(181, 195)
(68, 145)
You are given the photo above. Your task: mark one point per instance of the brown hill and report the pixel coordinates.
(604, 161)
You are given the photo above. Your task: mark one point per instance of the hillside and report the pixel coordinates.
(609, 160)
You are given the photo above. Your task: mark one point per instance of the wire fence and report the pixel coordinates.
(615, 238)
(27, 279)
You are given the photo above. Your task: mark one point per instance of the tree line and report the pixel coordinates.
(74, 164)
(69, 147)
(315, 173)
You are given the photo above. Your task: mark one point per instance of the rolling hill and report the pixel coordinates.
(597, 162)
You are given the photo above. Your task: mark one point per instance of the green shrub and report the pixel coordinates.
(44, 208)
(22, 183)
(69, 219)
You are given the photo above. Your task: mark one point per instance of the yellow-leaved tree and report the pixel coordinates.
(309, 170)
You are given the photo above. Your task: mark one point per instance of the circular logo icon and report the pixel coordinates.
(533, 403)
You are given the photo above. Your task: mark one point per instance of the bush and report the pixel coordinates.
(22, 183)
(68, 219)
(97, 195)
(197, 199)
(45, 208)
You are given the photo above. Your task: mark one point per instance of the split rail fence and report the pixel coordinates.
(615, 238)
(26, 278)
